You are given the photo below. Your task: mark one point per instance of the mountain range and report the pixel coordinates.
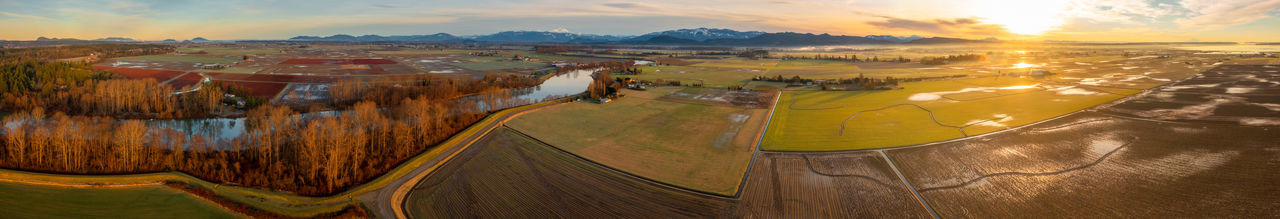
(680, 37)
(697, 36)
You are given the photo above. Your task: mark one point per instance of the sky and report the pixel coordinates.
(1064, 20)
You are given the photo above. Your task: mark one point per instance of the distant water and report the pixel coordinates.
(1234, 49)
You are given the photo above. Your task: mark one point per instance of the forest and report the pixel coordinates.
(68, 118)
(282, 150)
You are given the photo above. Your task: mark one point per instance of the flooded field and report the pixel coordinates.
(1094, 165)
(1100, 162)
(826, 185)
(1233, 94)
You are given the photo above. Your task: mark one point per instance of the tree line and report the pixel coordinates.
(75, 129)
(940, 60)
(310, 154)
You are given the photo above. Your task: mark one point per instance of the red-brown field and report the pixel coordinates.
(191, 78)
(265, 90)
(275, 78)
(337, 62)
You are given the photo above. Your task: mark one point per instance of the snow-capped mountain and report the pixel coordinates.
(701, 34)
(545, 37)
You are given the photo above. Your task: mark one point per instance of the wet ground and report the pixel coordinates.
(1186, 149)
(1229, 94)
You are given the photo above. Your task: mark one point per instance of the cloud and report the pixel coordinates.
(1225, 13)
(968, 26)
(16, 15)
(1122, 11)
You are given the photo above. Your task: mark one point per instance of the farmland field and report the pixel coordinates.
(499, 65)
(154, 201)
(922, 112)
(185, 80)
(229, 51)
(507, 175)
(238, 70)
(266, 90)
(138, 73)
(701, 147)
(1113, 167)
(827, 185)
(182, 58)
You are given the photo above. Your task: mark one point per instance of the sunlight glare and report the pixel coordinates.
(1023, 17)
(1024, 65)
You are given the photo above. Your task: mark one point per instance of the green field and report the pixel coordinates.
(19, 200)
(425, 52)
(182, 58)
(228, 51)
(700, 147)
(735, 71)
(811, 120)
(493, 65)
(236, 70)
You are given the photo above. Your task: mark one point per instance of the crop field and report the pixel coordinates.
(506, 175)
(138, 73)
(424, 52)
(722, 97)
(492, 65)
(274, 78)
(1113, 167)
(337, 62)
(188, 79)
(701, 147)
(1231, 94)
(301, 94)
(931, 111)
(237, 70)
(266, 90)
(229, 51)
(182, 58)
(922, 112)
(153, 201)
(1098, 163)
(829, 185)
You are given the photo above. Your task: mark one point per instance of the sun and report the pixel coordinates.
(1023, 17)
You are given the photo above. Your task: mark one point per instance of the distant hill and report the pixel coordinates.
(116, 39)
(545, 37)
(796, 39)
(699, 34)
(661, 40)
(896, 39)
(945, 40)
(766, 39)
(439, 37)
